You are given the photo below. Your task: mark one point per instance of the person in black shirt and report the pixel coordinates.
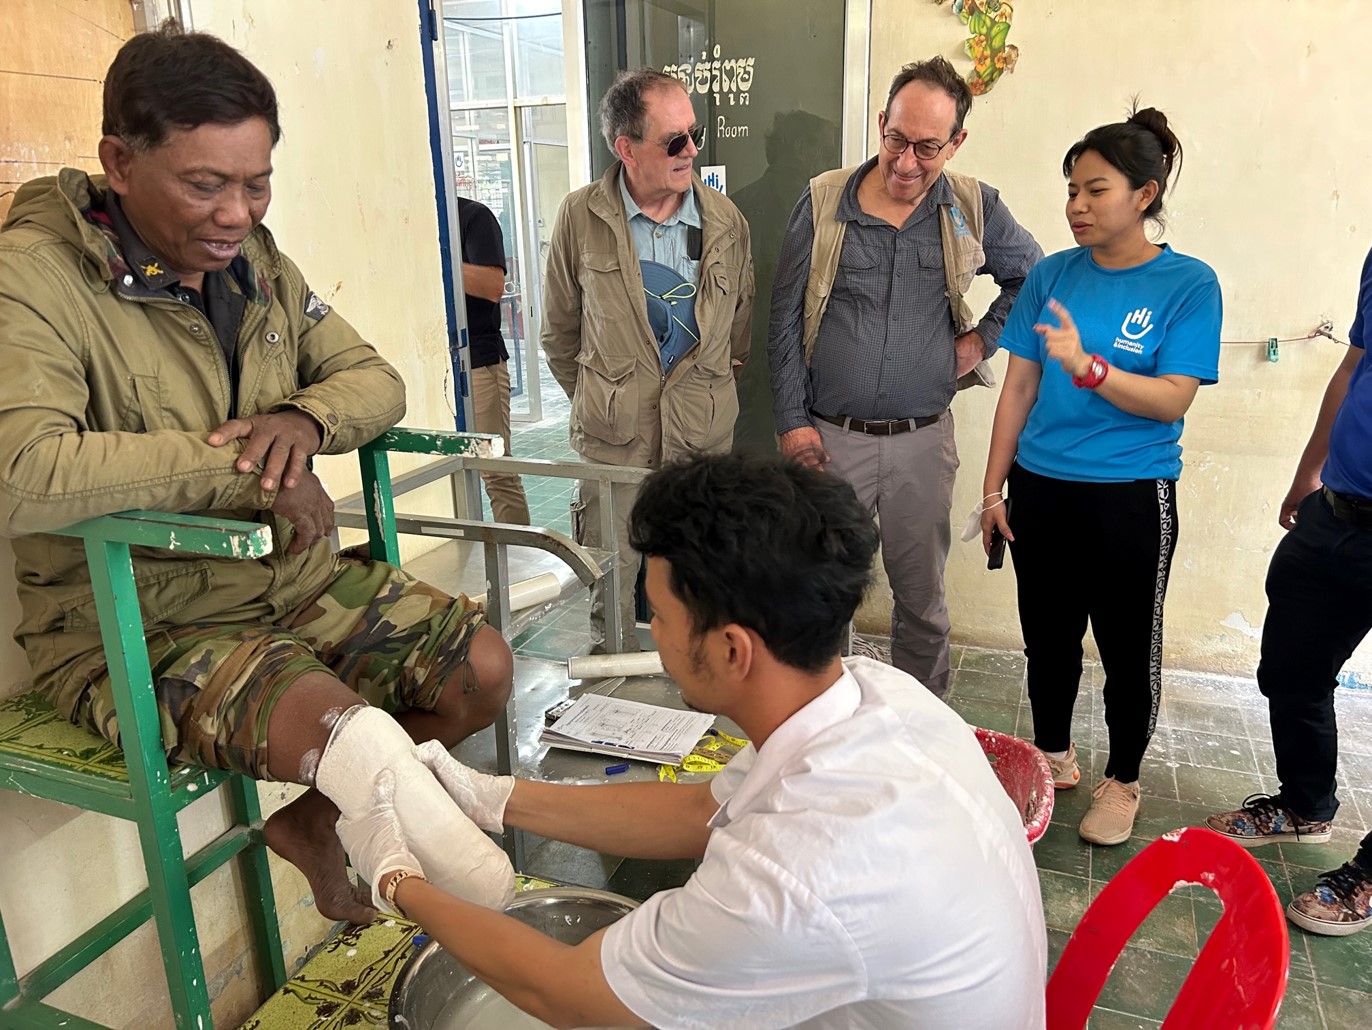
(483, 282)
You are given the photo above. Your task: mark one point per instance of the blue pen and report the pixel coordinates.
(613, 770)
(614, 744)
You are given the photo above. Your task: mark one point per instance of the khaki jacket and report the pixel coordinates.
(108, 394)
(601, 348)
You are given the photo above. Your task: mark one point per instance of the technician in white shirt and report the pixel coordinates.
(862, 866)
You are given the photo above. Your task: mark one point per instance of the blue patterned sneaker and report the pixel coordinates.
(1340, 904)
(1263, 819)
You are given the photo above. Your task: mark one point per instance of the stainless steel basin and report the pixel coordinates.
(433, 985)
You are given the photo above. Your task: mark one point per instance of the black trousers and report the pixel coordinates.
(1319, 608)
(1098, 553)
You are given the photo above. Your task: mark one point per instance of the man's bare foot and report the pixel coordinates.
(303, 834)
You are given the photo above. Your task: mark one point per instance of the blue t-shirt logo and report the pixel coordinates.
(1136, 325)
(1143, 318)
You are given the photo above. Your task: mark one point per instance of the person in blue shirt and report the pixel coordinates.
(1319, 609)
(1108, 343)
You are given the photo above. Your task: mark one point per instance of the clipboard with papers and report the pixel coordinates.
(628, 729)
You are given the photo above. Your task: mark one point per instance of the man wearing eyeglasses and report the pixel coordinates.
(647, 308)
(868, 295)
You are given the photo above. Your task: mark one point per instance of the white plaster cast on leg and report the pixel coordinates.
(455, 855)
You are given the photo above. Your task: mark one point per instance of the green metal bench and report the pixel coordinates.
(44, 756)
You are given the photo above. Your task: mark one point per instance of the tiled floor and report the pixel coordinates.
(1210, 751)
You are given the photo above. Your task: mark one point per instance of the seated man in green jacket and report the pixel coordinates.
(161, 353)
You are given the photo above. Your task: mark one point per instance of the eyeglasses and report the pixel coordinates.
(677, 143)
(925, 149)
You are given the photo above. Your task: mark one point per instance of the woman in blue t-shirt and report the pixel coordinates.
(1108, 342)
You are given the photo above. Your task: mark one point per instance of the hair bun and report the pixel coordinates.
(1155, 121)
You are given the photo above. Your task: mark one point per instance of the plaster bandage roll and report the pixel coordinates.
(456, 856)
(591, 666)
(529, 592)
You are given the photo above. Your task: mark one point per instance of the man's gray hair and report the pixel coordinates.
(624, 105)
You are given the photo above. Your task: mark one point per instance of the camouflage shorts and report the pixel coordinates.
(394, 640)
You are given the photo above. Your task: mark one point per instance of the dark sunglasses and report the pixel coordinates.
(677, 144)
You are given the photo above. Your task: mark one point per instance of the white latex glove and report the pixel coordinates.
(375, 843)
(481, 796)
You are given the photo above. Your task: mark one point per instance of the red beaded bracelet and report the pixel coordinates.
(1095, 374)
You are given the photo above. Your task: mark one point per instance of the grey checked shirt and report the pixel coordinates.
(885, 345)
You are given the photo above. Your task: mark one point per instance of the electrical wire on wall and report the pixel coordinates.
(1323, 329)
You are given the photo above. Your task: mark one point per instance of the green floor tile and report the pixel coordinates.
(1213, 751)
(1198, 717)
(1314, 858)
(1062, 850)
(1257, 723)
(1157, 816)
(1300, 1010)
(1057, 940)
(1064, 899)
(1344, 1009)
(974, 684)
(1144, 982)
(1216, 787)
(1070, 805)
(1002, 663)
(1342, 961)
(1170, 928)
(1207, 911)
(1157, 779)
(1108, 861)
(991, 715)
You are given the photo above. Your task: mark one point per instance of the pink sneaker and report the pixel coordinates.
(1066, 775)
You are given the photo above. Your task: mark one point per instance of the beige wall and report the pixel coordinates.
(1271, 196)
(354, 206)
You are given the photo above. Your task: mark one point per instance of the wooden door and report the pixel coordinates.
(53, 56)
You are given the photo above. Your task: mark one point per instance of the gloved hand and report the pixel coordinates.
(481, 796)
(375, 842)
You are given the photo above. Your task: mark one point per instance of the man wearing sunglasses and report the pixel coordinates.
(869, 336)
(647, 310)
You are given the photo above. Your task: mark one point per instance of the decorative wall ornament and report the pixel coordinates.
(988, 21)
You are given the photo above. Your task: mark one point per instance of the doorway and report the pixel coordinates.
(508, 113)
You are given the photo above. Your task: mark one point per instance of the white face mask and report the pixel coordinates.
(972, 530)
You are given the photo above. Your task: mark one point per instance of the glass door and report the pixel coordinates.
(766, 78)
(509, 128)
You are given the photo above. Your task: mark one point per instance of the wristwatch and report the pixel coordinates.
(1095, 374)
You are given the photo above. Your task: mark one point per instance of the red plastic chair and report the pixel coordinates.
(1025, 775)
(1240, 977)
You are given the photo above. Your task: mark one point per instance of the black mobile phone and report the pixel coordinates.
(995, 558)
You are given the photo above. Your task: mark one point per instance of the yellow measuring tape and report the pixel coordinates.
(709, 756)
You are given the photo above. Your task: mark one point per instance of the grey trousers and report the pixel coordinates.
(907, 481)
(491, 408)
(586, 531)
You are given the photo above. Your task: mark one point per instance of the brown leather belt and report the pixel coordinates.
(879, 427)
(1356, 511)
